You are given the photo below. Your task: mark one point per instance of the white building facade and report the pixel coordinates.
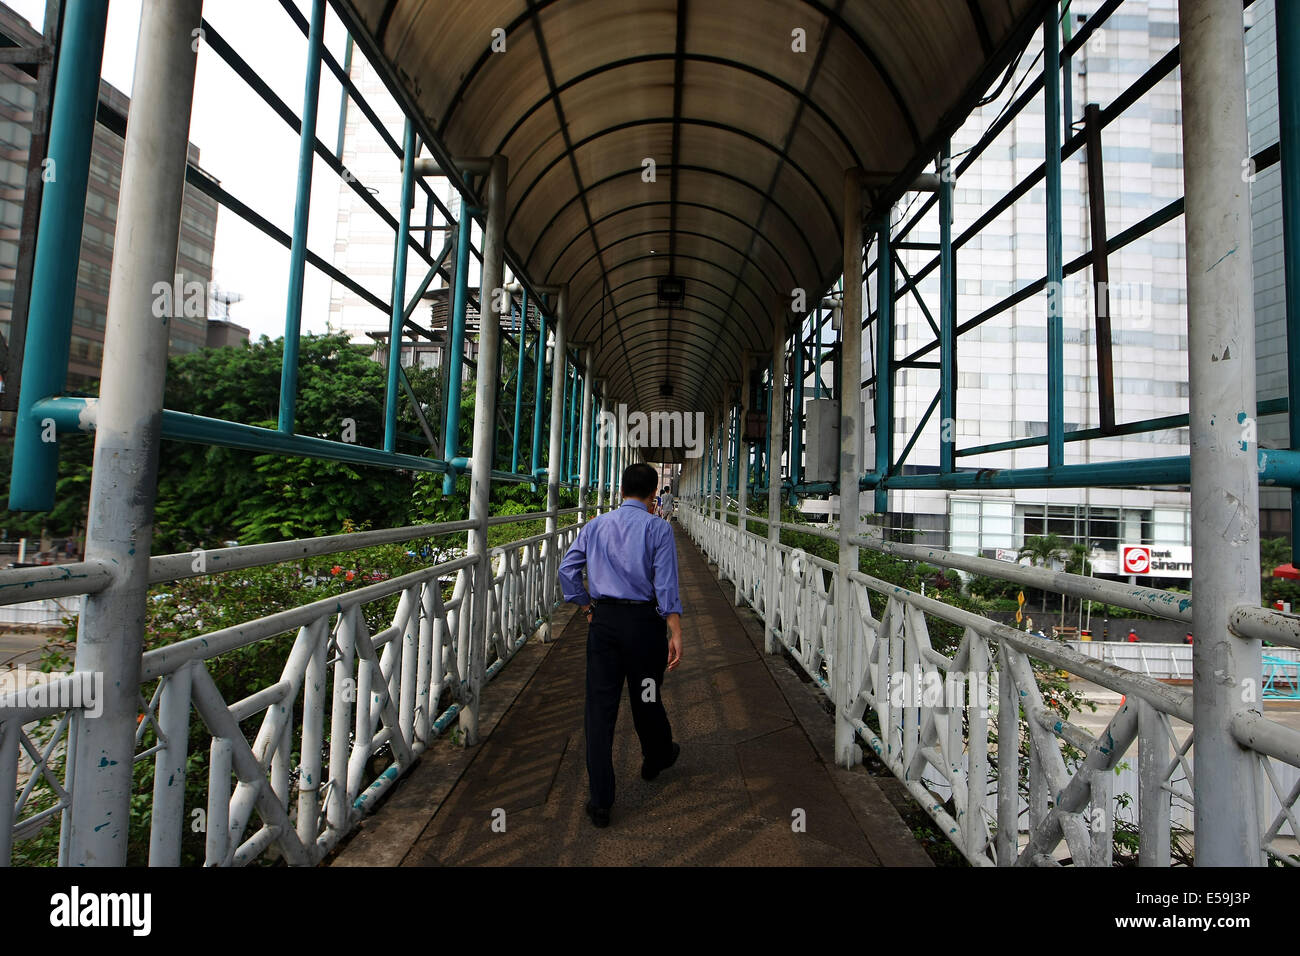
(1002, 364)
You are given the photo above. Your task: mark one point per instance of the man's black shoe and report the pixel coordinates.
(599, 816)
(649, 773)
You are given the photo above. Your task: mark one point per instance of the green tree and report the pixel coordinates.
(1042, 550)
(207, 494)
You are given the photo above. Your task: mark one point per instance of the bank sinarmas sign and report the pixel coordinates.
(1156, 561)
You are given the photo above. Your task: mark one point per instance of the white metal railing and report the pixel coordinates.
(345, 695)
(928, 714)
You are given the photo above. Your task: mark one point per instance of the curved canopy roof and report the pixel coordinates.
(749, 130)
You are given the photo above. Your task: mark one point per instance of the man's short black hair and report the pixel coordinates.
(639, 481)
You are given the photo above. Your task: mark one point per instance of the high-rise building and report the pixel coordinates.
(1266, 242)
(198, 218)
(1002, 365)
(363, 243)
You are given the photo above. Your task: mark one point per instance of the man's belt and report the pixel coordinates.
(624, 601)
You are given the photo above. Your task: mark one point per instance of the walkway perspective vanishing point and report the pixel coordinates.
(756, 784)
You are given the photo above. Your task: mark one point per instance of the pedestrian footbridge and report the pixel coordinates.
(756, 784)
(723, 211)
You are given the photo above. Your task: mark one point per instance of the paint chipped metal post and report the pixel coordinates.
(110, 636)
(742, 479)
(491, 300)
(847, 619)
(584, 448)
(724, 444)
(1224, 459)
(775, 428)
(602, 452)
(554, 465)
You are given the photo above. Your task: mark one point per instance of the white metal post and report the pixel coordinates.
(602, 453)
(620, 461)
(553, 464)
(742, 479)
(1226, 669)
(485, 395)
(847, 751)
(110, 637)
(724, 438)
(584, 442)
(775, 427)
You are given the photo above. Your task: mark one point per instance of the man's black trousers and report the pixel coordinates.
(629, 643)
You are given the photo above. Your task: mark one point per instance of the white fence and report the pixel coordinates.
(1156, 660)
(346, 695)
(46, 613)
(868, 644)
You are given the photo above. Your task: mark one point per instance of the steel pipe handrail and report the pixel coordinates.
(396, 684)
(1259, 623)
(177, 567)
(1170, 605)
(165, 660)
(1170, 700)
(797, 611)
(18, 585)
(53, 580)
(1265, 624)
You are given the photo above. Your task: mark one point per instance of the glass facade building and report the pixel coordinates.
(198, 220)
(1002, 364)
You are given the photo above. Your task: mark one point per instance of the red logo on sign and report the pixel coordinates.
(1137, 560)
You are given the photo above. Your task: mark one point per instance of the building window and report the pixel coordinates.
(978, 525)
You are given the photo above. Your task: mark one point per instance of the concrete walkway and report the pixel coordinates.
(755, 752)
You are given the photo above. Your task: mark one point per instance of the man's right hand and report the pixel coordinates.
(674, 640)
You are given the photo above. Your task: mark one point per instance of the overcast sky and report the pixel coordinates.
(248, 147)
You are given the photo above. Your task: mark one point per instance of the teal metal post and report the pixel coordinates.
(456, 344)
(884, 363)
(343, 97)
(796, 416)
(1067, 88)
(1288, 108)
(399, 289)
(596, 407)
(301, 211)
(817, 354)
(947, 319)
(575, 448)
(520, 342)
(1055, 261)
(535, 461)
(737, 475)
(562, 466)
(58, 245)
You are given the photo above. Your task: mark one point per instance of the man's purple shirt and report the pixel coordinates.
(627, 553)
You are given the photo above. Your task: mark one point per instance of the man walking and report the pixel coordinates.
(631, 602)
(666, 503)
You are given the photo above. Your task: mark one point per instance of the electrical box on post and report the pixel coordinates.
(822, 441)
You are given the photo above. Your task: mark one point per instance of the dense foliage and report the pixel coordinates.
(208, 495)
